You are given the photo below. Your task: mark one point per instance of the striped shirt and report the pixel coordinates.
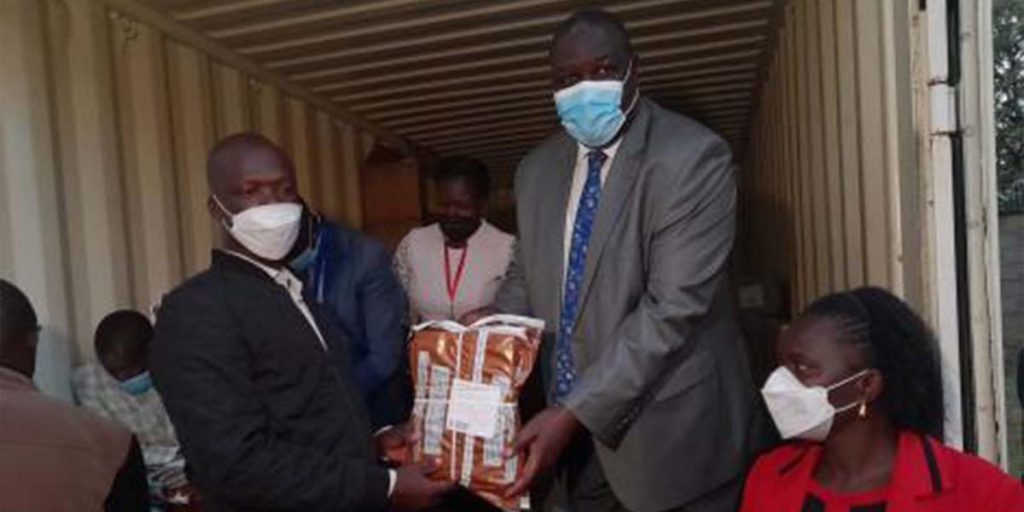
(144, 415)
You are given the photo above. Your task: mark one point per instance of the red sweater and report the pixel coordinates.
(927, 476)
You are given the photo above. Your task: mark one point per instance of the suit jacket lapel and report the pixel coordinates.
(615, 194)
(553, 210)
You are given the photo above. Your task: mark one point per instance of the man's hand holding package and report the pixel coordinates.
(542, 441)
(416, 490)
(394, 445)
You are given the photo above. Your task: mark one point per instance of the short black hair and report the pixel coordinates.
(123, 334)
(596, 18)
(466, 168)
(227, 150)
(17, 317)
(898, 343)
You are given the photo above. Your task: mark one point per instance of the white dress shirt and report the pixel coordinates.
(293, 285)
(579, 178)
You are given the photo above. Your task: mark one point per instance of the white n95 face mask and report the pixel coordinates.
(268, 231)
(801, 411)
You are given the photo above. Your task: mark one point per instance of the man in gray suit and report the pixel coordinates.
(626, 223)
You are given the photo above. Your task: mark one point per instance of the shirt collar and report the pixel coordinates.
(480, 232)
(484, 225)
(609, 152)
(271, 271)
(282, 276)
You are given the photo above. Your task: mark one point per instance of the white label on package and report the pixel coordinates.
(474, 408)
(433, 423)
(494, 448)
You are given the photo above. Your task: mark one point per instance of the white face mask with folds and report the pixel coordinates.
(800, 411)
(268, 231)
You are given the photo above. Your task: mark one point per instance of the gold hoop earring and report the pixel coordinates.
(862, 412)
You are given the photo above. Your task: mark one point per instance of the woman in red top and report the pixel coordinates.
(859, 391)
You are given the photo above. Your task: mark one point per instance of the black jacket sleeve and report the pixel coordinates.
(130, 491)
(201, 368)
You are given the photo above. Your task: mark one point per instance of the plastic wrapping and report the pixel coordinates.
(467, 382)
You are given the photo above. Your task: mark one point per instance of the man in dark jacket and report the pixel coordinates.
(256, 378)
(351, 274)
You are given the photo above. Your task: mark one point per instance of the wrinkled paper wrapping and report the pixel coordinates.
(496, 352)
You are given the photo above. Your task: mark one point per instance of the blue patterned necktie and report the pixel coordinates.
(565, 373)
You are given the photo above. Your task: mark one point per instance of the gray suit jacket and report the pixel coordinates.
(662, 378)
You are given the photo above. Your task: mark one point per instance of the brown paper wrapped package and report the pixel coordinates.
(496, 351)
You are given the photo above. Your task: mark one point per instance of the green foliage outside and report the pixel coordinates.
(1008, 31)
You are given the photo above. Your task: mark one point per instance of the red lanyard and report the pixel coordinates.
(453, 287)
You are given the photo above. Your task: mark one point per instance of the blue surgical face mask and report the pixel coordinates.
(305, 260)
(591, 110)
(137, 385)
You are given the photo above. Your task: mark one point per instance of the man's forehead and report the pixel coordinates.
(456, 185)
(121, 356)
(258, 163)
(259, 160)
(585, 44)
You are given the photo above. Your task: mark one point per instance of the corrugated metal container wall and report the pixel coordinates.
(830, 191)
(107, 123)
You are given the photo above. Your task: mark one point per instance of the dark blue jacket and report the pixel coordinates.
(353, 277)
